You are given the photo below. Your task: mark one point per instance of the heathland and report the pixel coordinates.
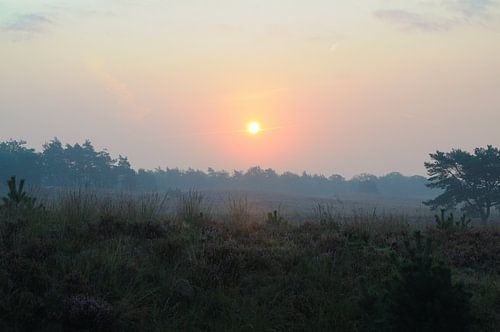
(87, 260)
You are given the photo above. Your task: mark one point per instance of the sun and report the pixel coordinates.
(253, 128)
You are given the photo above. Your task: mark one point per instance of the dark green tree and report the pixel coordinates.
(55, 164)
(468, 180)
(17, 159)
(88, 167)
(420, 297)
(125, 174)
(423, 297)
(17, 199)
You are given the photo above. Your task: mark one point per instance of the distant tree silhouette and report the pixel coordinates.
(471, 181)
(55, 164)
(17, 159)
(81, 165)
(366, 183)
(125, 174)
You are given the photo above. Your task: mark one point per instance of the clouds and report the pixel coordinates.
(411, 21)
(26, 26)
(28, 23)
(22, 23)
(449, 14)
(471, 8)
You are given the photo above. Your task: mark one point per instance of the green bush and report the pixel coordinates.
(421, 296)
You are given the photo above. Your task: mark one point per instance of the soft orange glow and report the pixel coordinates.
(254, 128)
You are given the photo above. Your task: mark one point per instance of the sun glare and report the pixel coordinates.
(253, 128)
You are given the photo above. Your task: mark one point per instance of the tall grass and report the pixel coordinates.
(192, 207)
(238, 210)
(86, 204)
(78, 205)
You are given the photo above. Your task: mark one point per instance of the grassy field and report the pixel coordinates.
(150, 263)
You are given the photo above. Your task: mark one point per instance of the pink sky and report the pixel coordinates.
(349, 87)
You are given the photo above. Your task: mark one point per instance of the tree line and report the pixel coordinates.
(82, 165)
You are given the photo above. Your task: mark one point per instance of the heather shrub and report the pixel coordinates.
(478, 248)
(85, 312)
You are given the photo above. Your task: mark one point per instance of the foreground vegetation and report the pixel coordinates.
(84, 262)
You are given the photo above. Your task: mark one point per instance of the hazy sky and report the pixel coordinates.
(348, 86)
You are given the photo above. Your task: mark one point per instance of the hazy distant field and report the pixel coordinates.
(304, 208)
(297, 208)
